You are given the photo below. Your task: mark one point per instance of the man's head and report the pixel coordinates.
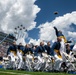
(60, 31)
(48, 43)
(27, 46)
(14, 43)
(68, 47)
(41, 43)
(20, 44)
(59, 39)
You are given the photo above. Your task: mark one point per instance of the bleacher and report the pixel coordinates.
(5, 41)
(9, 38)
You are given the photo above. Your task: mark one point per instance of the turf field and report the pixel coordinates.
(15, 72)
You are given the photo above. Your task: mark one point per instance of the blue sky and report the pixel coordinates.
(48, 7)
(38, 17)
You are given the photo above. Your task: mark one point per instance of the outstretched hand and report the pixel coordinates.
(54, 27)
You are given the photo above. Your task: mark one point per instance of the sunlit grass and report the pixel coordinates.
(15, 72)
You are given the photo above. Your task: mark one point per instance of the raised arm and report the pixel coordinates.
(56, 31)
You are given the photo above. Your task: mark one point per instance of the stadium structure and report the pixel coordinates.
(5, 41)
(6, 37)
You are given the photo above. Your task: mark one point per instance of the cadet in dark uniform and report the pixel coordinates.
(20, 54)
(12, 54)
(21, 48)
(60, 34)
(13, 49)
(56, 47)
(48, 49)
(40, 49)
(28, 50)
(58, 58)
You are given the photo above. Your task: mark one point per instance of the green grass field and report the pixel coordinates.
(15, 72)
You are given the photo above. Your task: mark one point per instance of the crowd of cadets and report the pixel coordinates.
(38, 50)
(33, 50)
(42, 48)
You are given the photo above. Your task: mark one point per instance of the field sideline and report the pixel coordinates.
(15, 72)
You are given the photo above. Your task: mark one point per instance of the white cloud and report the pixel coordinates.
(17, 12)
(21, 40)
(46, 32)
(36, 42)
(62, 23)
(73, 34)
